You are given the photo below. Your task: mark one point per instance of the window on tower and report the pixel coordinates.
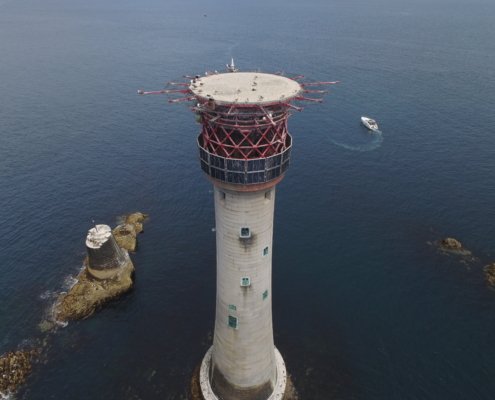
(245, 233)
(245, 281)
(233, 322)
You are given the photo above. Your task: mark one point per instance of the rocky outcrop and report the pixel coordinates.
(452, 245)
(89, 293)
(490, 274)
(137, 219)
(15, 366)
(126, 233)
(126, 236)
(108, 271)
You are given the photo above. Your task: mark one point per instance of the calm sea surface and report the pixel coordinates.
(364, 308)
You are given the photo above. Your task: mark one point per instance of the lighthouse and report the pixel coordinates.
(244, 150)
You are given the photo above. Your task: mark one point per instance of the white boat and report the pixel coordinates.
(369, 123)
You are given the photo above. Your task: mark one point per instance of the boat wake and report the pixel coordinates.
(373, 141)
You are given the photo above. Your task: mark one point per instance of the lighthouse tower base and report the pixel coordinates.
(201, 386)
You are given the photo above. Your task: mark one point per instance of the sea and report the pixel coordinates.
(365, 306)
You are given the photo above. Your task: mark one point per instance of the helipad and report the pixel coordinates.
(245, 88)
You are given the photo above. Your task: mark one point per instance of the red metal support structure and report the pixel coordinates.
(243, 131)
(243, 117)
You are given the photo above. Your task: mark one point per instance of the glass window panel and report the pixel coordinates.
(233, 322)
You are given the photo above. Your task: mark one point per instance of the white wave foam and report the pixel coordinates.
(62, 324)
(48, 294)
(6, 396)
(69, 282)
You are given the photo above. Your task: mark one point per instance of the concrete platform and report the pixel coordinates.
(201, 388)
(245, 88)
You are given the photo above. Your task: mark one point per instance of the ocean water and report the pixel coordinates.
(364, 308)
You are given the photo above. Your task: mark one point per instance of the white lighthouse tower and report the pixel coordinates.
(244, 148)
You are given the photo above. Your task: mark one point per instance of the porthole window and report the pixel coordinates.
(265, 251)
(265, 294)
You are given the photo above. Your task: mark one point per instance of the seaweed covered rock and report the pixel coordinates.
(15, 367)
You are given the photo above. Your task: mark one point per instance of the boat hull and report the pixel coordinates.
(369, 124)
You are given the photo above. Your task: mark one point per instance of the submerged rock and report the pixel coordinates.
(46, 325)
(490, 274)
(15, 366)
